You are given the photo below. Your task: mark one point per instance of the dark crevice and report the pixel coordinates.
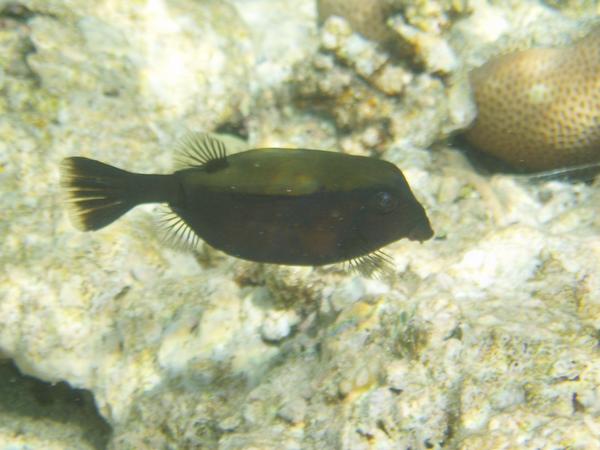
(30, 398)
(16, 11)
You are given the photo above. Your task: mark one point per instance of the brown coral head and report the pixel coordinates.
(539, 109)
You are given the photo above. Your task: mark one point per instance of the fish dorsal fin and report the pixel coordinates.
(201, 150)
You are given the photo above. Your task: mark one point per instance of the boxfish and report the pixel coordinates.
(268, 205)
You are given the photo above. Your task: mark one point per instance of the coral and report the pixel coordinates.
(370, 18)
(431, 50)
(539, 108)
(374, 99)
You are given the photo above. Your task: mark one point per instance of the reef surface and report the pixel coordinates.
(486, 336)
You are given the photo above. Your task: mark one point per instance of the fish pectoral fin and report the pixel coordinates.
(372, 265)
(177, 233)
(201, 150)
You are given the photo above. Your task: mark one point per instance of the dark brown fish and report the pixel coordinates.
(273, 205)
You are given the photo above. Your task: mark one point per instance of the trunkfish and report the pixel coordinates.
(269, 205)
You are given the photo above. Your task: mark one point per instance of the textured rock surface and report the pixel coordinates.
(486, 337)
(370, 17)
(367, 17)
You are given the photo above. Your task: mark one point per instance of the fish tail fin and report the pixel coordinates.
(98, 194)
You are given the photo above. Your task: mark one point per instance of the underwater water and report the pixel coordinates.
(482, 332)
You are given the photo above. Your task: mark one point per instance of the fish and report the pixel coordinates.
(270, 205)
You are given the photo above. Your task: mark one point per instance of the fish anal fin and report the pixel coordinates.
(201, 150)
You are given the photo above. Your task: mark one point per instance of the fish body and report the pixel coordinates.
(275, 205)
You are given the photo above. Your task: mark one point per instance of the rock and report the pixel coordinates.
(293, 411)
(366, 17)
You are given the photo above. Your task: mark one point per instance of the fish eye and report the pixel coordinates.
(385, 202)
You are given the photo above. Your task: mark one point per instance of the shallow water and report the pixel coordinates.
(484, 336)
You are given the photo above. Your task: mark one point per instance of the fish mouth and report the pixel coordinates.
(421, 232)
